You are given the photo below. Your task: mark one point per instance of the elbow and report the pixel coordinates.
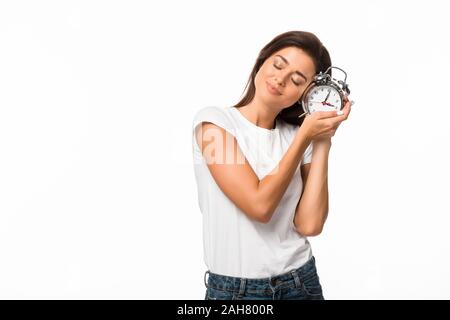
(265, 218)
(257, 213)
(309, 229)
(262, 214)
(310, 225)
(262, 219)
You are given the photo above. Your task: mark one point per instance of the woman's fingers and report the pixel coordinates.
(325, 114)
(346, 110)
(331, 120)
(330, 114)
(334, 122)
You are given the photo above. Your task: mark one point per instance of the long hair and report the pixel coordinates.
(306, 41)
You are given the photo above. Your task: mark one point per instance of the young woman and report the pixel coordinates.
(261, 174)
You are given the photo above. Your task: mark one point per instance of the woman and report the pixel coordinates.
(261, 174)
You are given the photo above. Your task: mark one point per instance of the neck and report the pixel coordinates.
(260, 114)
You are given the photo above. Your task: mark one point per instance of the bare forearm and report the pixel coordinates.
(272, 187)
(312, 210)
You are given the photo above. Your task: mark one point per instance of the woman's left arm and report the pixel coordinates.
(312, 209)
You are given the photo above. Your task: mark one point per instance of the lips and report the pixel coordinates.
(272, 89)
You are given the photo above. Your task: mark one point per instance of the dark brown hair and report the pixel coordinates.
(306, 41)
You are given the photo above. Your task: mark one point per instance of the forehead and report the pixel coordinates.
(298, 60)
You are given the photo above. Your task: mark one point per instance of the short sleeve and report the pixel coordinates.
(216, 115)
(307, 155)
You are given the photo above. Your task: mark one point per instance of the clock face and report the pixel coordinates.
(323, 98)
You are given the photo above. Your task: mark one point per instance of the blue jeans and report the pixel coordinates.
(300, 284)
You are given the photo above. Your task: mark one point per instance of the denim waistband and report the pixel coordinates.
(234, 284)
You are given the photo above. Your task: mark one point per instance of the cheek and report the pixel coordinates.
(260, 80)
(261, 76)
(302, 90)
(293, 95)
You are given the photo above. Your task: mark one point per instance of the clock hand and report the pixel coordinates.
(323, 103)
(329, 91)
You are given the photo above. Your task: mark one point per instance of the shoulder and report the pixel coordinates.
(211, 111)
(214, 114)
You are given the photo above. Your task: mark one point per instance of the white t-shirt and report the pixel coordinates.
(235, 245)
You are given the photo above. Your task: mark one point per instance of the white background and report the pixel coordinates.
(97, 193)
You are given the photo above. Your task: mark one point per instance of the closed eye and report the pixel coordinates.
(297, 84)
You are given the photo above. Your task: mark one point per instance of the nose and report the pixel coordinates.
(279, 82)
(280, 77)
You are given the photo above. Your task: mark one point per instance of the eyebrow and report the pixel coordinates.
(287, 62)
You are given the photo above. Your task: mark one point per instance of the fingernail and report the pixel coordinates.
(340, 113)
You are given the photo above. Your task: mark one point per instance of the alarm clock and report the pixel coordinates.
(325, 93)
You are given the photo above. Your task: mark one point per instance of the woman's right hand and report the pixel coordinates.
(323, 124)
